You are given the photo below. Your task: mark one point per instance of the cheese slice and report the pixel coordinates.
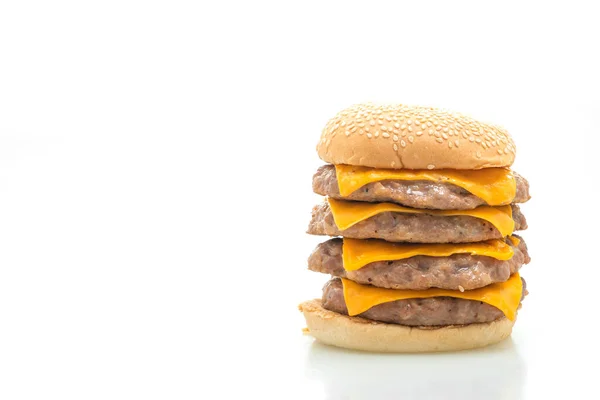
(357, 253)
(505, 296)
(496, 186)
(515, 240)
(349, 213)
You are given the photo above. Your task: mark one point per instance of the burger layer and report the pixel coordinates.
(413, 228)
(434, 311)
(454, 272)
(417, 194)
(362, 334)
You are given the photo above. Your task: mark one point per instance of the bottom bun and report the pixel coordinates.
(362, 334)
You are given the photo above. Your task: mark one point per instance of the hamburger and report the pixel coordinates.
(423, 208)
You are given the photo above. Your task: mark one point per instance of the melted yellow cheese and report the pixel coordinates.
(496, 186)
(515, 240)
(505, 296)
(358, 253)
(349, 213)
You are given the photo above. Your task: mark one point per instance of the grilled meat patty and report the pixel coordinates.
(434, 311)
(416, 194)
(414, 228)
(421, 272)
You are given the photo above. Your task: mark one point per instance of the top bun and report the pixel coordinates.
(399, 136)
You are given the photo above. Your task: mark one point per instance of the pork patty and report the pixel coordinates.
(434, 311)
(416, 194)
(413, 228)
(421, 272)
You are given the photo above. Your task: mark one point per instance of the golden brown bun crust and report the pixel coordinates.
(400, 136)
(362, 334)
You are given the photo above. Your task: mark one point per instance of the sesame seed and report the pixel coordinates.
(423, 126)
(376, 133)
(384, 128)
(395, 147)
(430, 132)
(397, 125)
(372, 122)
(478, 140)
(367, 129)
(462, 289)
(380, 121)
(439, 140)
(444, 136)
(464, 134)
(410, 128)
(343, 123)
(478, 155)
(403, 127)
(369, 135)
(450, 144)
(385, 135)
(445, 129)
(505, 151)
(430, 166)
(393, 164)
(419, 133)
(347, 133)
(456, 142)
(409, 121)
(411, 139)
(395, 138)
(499, 151)
(437, 128)
(403, 143)
(353, 129)
(471, 139)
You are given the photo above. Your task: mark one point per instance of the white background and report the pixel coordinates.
(155, 186)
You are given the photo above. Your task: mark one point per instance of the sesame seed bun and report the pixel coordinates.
(399, 136)
(362, 334)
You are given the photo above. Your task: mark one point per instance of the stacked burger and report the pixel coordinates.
(423, 207)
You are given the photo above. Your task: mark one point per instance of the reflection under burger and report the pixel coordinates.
(494, 373)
